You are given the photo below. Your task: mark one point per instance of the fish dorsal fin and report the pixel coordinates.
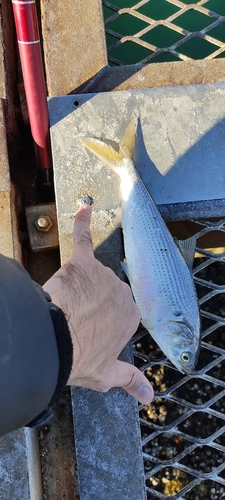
(127, 143)
(187, 248)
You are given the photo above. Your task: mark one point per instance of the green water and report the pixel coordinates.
(161, 36)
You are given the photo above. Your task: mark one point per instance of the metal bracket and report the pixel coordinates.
(42, 226)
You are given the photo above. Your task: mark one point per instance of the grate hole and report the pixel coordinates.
(218, 371)
(107, 12)
(169, 481)
(201, 290)
(123, 3)
(205, 357)
(187, 2)
(218, 32)
(217, 6)
(220, 406)
(212, 272)
(197, 391)
(165, 57)
(158, 9)
(162, 377)
(161, 36)
(162, 412)
(207, 490)
(215, 304)
(201, 425)
(193, 20)
(129, 53)
(166, 446)
(127, 25)
(204, 458)
(217, 338)
(198, 48)
(207, 325)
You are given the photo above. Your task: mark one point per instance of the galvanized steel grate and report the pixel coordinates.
(183, 431)
(164, 30)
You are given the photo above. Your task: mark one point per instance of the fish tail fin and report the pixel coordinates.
(107, 153)
(127, 143)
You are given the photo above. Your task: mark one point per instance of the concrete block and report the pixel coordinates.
(74, 43)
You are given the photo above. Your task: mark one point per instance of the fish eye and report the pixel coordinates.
(185, 356)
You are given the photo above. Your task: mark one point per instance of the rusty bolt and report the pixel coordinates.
(43, 223)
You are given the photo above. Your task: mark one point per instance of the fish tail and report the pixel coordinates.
(107, 153)
(127, 143)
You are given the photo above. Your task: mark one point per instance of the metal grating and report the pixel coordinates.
(183, 430)
(164, 30)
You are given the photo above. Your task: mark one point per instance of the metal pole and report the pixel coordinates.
(25, 16)
(33, 463)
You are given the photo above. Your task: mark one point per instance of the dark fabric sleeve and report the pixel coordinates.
(65, 352)
(29, 357)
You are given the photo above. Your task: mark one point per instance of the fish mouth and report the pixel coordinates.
(186, 371)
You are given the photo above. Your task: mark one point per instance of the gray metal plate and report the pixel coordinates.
(108, 445)
(180, 147)
(180, 154)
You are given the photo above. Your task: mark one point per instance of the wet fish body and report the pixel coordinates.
(160, 277)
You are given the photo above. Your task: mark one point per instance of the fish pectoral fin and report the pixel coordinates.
(187, 248)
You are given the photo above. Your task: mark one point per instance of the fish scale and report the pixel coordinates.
(165, 265)
(159, 276)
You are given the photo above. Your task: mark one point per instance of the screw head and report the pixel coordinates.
(43, 223)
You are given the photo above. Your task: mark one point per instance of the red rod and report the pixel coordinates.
(25, 16)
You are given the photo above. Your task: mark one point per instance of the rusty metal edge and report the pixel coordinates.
(155, 75)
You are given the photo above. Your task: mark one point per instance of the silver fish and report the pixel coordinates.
(160, 278)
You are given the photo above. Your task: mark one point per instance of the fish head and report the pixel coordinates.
(183, 346)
